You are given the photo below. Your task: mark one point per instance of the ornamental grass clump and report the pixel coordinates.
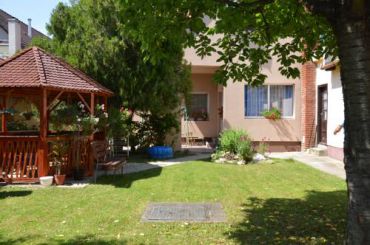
(235, 146)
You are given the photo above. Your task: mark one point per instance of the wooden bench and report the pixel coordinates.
(100, 151)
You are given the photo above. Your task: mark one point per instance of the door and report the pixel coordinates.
(322, 117)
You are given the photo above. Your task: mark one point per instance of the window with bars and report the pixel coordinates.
(198, 108)
(259, 99)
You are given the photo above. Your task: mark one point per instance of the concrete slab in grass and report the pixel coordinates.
(184, 212)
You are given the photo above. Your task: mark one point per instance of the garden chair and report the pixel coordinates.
(120, 147)
(100, 151)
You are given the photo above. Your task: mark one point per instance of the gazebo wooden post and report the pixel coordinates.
(90, 171)
(105, 103)
(3, 117)
(43, 149)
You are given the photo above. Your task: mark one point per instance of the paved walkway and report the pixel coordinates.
(325, 164)
(137, 167)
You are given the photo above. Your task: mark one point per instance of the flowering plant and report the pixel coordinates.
(88, 124)
(272, 114)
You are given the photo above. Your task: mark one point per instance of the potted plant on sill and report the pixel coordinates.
(59, 149)
(272, 114)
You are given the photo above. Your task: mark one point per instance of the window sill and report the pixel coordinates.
(282, 118)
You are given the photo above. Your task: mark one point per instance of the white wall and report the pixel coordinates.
(335, 104)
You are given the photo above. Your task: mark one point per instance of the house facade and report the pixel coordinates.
(312, 107)
(214, 108)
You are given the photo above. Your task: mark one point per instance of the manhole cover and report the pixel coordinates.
(190, 212)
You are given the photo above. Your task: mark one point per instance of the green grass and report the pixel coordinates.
(280, 203)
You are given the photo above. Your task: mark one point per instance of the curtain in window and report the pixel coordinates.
(198, 110)
(281, 97)
(255, 99)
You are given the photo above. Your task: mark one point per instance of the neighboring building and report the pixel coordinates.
(14, 34)
(330, 107)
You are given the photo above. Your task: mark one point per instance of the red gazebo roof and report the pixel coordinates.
(34, 68)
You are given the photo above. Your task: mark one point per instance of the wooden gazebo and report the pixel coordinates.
(43, 80)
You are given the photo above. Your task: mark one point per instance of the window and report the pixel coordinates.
(258, 99)
(198, 110)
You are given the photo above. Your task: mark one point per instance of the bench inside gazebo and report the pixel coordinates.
(34, 78)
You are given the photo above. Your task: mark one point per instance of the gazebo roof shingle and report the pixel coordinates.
(33, 67)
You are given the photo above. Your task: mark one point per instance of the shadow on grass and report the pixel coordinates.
(8, 193)
(126, 180)
(20, 240)
(85, 239)
(319, 218)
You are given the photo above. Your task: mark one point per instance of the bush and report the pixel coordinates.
(230, 139)
(119, 123)
(236, 142)
(245, 150)
(154, 128)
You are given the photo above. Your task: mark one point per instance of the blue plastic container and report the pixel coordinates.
(160, 152)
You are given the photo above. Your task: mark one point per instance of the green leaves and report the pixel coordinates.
(245, 34)
(102, 38)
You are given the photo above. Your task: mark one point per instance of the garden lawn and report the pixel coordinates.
(268, 203)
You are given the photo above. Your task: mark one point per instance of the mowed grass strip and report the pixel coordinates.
(283, 202)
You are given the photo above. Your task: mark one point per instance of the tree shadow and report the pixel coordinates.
(126, 180)
(11, 193)
(83, 239)
(317, 219)
(15, 241)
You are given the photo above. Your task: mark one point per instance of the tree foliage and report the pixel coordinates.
(245, 35)
(93, 36)
(248, 33)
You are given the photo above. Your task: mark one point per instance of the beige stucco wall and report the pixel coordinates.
(288, 129)
(4, 50)
(202, 83)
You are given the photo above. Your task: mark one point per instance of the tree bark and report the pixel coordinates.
(353, 37)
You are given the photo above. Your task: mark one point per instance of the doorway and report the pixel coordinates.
(322, 117)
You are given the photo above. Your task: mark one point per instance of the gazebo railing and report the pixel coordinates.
(19, 158)
(78, 155)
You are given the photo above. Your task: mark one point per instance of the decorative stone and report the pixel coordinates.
(259, 157)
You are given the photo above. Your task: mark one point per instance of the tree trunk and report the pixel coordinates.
(353, 36)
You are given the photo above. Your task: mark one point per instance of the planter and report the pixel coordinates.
(59, 179)
(160, 152)
(272, 117)
(46, 180)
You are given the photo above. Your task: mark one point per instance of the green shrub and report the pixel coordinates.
(230, 139)
(245, 150)
(236, 142)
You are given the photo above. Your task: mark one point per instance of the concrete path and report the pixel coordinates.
(138, 167)
(325, 164)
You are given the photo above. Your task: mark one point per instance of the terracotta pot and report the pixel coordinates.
(59, 179)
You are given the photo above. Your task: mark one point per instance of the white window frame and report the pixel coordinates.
(268, 101)
(199, 92)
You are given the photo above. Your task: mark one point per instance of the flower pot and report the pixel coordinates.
(59, 179)
(46, 180)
